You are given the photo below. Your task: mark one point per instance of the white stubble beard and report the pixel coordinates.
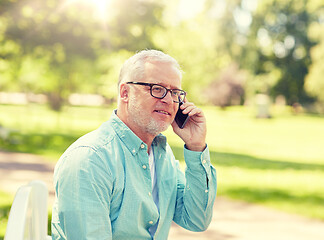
(146, 122)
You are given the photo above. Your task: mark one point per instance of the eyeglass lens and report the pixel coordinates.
(161, 92)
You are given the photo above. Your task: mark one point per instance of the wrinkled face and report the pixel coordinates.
(148, 114)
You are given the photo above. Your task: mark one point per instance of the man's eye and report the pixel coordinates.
(157, 89)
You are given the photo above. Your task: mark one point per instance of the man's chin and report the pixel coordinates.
(164, 125)
(165, 128)
(158, 127)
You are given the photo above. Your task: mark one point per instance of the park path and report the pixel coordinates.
(232, 220)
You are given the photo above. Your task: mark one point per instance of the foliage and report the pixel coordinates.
(63, 47)
(314, 82)
(270, 40)
(53, 49)
(107, 66)
(279, 41)
(199, 64)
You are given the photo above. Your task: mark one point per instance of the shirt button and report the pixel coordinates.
(142, 146)
(206, 191)
(144, 166)
(149, 194)
(151, 222)
(204, 161)
(133, 151)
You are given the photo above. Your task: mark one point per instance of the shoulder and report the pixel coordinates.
(93, 150)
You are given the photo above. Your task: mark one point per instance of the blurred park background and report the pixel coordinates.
(256, 67)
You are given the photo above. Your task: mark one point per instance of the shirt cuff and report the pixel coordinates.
(197, 160)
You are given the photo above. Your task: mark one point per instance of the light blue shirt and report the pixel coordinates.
(104, 190)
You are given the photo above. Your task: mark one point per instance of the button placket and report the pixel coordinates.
(144, 163)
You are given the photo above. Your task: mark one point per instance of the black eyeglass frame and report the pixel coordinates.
(166, 92)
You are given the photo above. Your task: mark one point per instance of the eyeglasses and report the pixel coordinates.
(159, 91)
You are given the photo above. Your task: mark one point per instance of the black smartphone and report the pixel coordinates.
(180, 118)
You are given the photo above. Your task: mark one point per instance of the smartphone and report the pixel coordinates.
(180, 118)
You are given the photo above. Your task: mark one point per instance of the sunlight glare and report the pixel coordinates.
(190, 8)
(100, 7)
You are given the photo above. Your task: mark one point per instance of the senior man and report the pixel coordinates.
(122, 181)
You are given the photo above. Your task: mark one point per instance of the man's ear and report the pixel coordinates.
(123, 92)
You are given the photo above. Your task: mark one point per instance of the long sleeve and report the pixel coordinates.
(82, 189)
(196, 191)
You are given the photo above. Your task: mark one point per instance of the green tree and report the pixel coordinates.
(62, 43)
(192, 50)
(51, 42)
(270, 39)
(193, 41)
(278, 40)
(314, 83)
(133, 24)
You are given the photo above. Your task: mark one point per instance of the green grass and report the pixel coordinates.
(36, 129)
(5, 204)
(277, 162)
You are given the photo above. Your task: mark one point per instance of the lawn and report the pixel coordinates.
(276, 162)
(5, 203)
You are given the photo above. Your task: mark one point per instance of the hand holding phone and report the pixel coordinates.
(194, 133)
(180, 118)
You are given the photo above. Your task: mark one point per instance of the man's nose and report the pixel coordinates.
(168, 97)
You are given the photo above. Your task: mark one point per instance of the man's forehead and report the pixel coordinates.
(168, 74)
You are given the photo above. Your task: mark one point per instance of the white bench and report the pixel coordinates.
(28, 214)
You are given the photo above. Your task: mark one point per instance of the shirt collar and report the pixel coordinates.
(129, 138)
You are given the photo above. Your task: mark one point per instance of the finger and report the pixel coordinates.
(185, 105)
(195, 112)
(190, 108)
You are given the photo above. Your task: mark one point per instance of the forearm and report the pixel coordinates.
(197, 192)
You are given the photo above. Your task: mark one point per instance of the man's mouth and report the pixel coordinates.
(162, 112)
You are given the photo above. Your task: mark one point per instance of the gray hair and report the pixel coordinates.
(133, 68)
